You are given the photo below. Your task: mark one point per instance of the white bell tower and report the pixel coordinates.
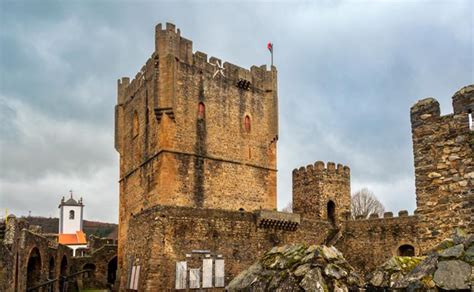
(70, 215)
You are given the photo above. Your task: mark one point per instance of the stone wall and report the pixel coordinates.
(163, 235)
(444, 168)
(367, 243)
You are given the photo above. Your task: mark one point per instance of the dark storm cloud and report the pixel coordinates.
(348, 73)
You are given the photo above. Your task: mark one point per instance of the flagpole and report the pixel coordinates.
(272, 57)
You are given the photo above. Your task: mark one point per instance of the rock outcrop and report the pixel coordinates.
(298, 268)
(392, 271)
(450, 266)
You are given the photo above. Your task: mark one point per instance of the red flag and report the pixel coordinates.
(270, 47)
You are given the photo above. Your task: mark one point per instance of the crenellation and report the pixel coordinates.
(388, 215)
(463, 100)
(403, 213)
(425, 111)
(320, 167)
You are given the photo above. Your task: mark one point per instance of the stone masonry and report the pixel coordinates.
(444, 167)
(197, 144)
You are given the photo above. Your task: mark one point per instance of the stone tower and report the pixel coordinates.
(322, 192)
(444, 168)
(195, 132)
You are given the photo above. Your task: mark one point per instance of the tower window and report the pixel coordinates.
(331, 212)
(471, 126)
(247, 124)
(71, 214)
(135, 126)
(201, 110)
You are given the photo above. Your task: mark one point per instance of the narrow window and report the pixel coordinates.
(247, 125)
(331, 212)
(471, 126)
(71, 214)
(201, 111)
(135, 126)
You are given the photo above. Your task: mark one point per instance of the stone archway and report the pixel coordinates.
(331, 212)
(90, 268)
(406, 250)
(33, 269)
(52, 265)
(63, 274)
(112, 271)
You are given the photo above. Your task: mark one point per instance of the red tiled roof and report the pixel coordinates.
(70, 239)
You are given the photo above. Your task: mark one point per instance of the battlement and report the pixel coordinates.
(386, 215)
(319, 168)
(168, 40)
(172, 47)
(428, 110)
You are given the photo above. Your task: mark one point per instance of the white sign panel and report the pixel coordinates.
(207, 273)
(181, 275)
(219, 273)
(137, 276)
(194, 278)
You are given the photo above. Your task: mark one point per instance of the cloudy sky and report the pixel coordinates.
(349, 71)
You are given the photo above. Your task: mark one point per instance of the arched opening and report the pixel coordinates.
(247, 124)
(201, 111)
(51, 268)
(63, 275)
(90, 268)
(135, 125)
(71, 214)
(33, 270)
(331, 212)
(112, 271)
(406, 250)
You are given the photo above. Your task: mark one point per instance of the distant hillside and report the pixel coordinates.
(51, 225)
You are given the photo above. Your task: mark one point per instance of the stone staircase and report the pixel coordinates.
(334, 235)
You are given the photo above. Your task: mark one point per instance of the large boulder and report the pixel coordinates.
(298, 268)
(453, 275)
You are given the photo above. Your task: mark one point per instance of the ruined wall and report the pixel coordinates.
(315, 186)
(174, 153)
(99, 260)
(367, 243)
(19, 246)
(444, 169)
(163, 235)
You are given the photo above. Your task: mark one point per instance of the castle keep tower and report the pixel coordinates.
(444, 168)
(322, 192)
(195, 132)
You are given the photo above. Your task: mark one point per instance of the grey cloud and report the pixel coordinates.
(348, 73)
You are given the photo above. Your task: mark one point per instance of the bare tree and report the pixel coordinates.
(288, 208)
(364, 202)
